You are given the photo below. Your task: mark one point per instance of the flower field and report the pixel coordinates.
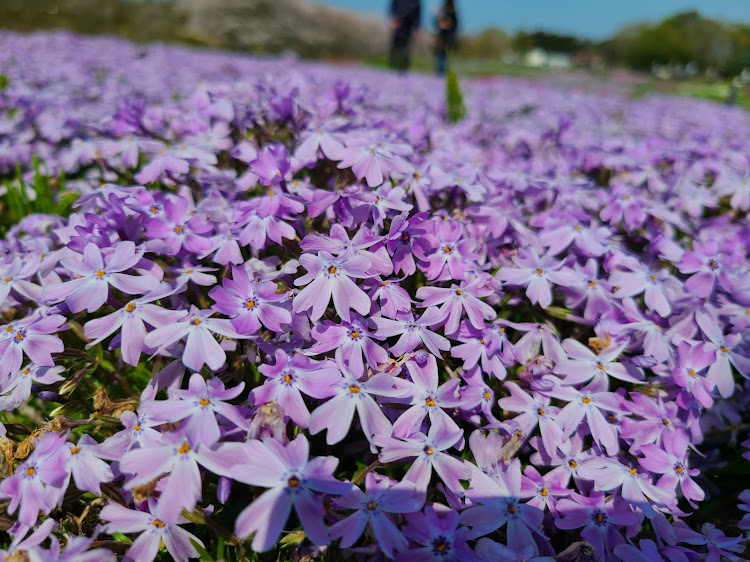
(271, 309)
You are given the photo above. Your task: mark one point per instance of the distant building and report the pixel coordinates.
(539, 58)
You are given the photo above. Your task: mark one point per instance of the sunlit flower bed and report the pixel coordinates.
(260, 309)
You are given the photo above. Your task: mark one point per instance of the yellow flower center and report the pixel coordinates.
(354, 389)
(652, 277)
(178, 229)
(691, 372)
(19, 336)
(250, 304)
(271, 193)
(428, 450)
(586, 400)
(578, 227)
(154, 209)
(544, 492)
(487, 395)
(332, 269)
(30, 471)
(136, 427)
(158, 523)
(288, 378)
(204, 402)
(599, 518)
(355, 334)
(7, 279)
(680, 469)
(572, 464)
(540, 411)
(372, 506)
(600, 366)
(184, 448)
(725, 350)
(99, 273)
(429, 402)
(539, 271)
(633, 471)
(592, 283)
(459, 292)
(666, 422)
(130, 307)
(447, 250)
(75, 450)
(196, 321)
(293, 482)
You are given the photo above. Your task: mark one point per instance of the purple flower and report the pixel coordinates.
(89, 291)
(406, 237)
(33, 337)
(352, 395)
(331, 276)
(536, 273)
(180, 228)
(591, 403)
(451, 257)
(499, 500)
(289, 378)
(534, 410)
(718, 545)
(132, 320)
(429, 453)
(482, 347)
(720, 372)
(249, 303)
(671, 461)
(609, 473)
(18, 389)
(393, 298)
(198, 407)
(88, 470)
(427, 399)
(374, 160)
(38, 484)
(138, 433)
(14, 280)
(200, 346)
(413, 332)
(583, 364)
(154, 527)
(659, 287)
(351, 340)
(177, 457)
(459, 299)
(439, 534)
(292, 480)
(598, 517)
(691, 360)
(384, 495)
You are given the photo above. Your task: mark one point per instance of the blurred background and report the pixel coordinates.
(699, 47)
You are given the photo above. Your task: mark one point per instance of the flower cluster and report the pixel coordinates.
(293, 308)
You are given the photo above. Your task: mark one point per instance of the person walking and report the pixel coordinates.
(446, 22)
(405, 17)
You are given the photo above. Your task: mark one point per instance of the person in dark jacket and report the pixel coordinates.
(405, 19)
(446, 22)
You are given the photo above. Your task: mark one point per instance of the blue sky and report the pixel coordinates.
(595, 19)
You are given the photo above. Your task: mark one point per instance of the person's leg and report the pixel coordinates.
(441, 62)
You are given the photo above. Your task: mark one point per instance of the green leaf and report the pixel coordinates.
(120, 537)
(454, 99)
(295, 537)
(201, 550)
(45, 199)
(65, 204)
